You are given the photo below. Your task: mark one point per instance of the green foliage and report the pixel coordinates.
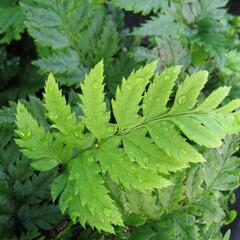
(137, 151)
(11, 21)
(68, 30)
(192, 208)
(138, 6)
(121, 150)
(24, 194)
(193, 28)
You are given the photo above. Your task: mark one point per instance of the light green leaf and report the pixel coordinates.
(141, 149)
(188, 92)
(126, 104)
(167, 138)
(96, 117)
(114, 161)
(58, 185)
(157, 96)
(213, 100)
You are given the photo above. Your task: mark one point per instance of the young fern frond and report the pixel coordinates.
(148, 141)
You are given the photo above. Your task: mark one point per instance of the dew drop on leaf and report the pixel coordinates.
(70, 117)
(26, 134)
(77, 134)
(76, 191)
(145, 160)
(76, 175)
(107, 212)
(128, 86)
(110, 129)
(96, 86)
(181, 100)
(53, 116)
(182, 152)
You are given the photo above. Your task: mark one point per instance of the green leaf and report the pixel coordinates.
(59, 62)
(194, 183)
(135, 153)
(35, 141)
(219, 170)
(171, 196)
(188, 92)
(121, 170)
(158, 94)
(164, 26)
(59, 112)
(214, 99)
(126, 103)
(96, 117)
(88, 185)
(138, 5)
(141, 149)
(170, 138)
(227, 235)
(45, 165)
(58, 185)
(11, 23)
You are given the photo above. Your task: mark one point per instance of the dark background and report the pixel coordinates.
(234, 7)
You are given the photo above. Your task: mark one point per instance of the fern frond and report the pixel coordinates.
(95, 119)
(69, 29)
(149, 140)
(138, 5)
(129, 95)
(11, 22)
(36, 143)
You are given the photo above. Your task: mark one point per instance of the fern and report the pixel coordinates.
(193, 207)
(11, 22)
(24, 194)
(195, 26)
(138, 151)
(138, 6)
(68, 34)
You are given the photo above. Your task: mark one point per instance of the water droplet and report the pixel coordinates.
(182, 152)
(139, 81)
(167, 77)
(51, 88)
(221, 151)
(128, 86)
(77, 134)
(96, 86)
(26, 133)
(145, 160)
(181, 100)
(53, 116)
(76, 191)
(89, 162)
(110, 129)
(76, 175)
(70, 117)
(107, 212)
(166, 129)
